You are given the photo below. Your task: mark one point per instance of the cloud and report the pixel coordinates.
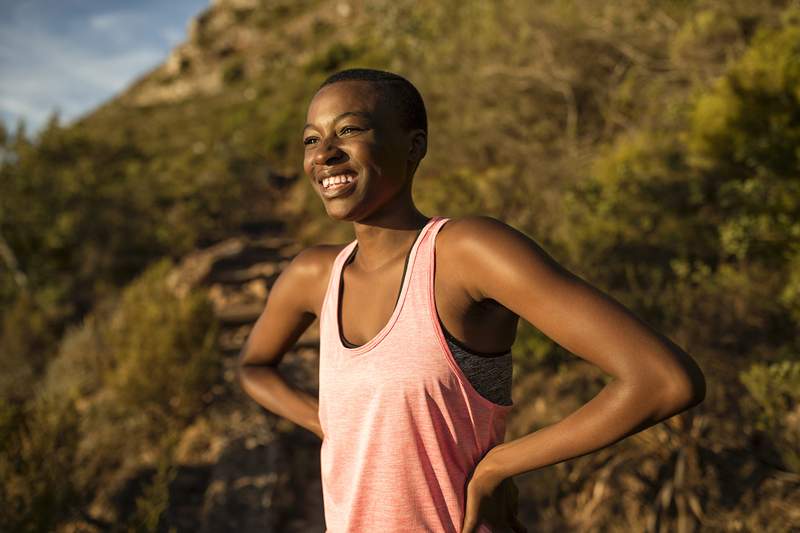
(106, 21)
(71, 57)
(123, 28)
(54, 72)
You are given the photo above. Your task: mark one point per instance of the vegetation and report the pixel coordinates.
(123, 384)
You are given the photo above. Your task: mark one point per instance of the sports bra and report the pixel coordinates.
(490, 373)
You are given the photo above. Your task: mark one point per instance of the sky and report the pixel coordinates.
(72, 55)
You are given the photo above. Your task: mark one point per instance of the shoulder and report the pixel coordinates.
(492, 254)
(476, 235)
(315, 261)
(467, 226)
(308, 272)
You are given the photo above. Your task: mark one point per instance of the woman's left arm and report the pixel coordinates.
(653, 379)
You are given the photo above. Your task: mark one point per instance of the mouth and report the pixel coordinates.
(338, 183)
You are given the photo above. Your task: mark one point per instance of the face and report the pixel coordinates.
(354, 137)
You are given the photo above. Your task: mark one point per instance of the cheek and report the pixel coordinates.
(307, 165)
(373, 157)
(389, 154)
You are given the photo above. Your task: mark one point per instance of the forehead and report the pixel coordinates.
(347, 96)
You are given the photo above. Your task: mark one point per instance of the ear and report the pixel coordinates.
(419, 146)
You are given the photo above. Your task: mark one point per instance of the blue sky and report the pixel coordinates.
(72, 55)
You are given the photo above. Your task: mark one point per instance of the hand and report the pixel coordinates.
(496, 505)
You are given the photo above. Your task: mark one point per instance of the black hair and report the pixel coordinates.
(400, 91)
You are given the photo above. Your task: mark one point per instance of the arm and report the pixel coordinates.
(288, 313)
(653, 379)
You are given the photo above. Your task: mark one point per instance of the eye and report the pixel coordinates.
(347, 129)
(309, 140)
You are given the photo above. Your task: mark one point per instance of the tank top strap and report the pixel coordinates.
(423, 261)
(328, 310)
(430, 238)
(416, 309)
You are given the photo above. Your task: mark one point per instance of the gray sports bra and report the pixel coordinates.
(488, 373)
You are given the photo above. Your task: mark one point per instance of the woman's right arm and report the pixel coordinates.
(290, 309)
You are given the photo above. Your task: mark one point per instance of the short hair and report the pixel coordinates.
(403, 95)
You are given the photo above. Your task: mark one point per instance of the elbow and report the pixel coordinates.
(247, 361)
(245, 358)
(243, 365)
(686, 391)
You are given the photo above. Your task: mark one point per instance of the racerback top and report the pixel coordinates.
(403, 426)
(489, 373)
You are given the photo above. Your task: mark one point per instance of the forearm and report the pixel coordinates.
(267, 386)
(617, 411)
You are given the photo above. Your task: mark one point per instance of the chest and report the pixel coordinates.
(367, 302)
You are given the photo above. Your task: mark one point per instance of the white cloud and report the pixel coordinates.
(104, 21)
(122, 28)
(54, 61)
(73, 56)
(15, 107)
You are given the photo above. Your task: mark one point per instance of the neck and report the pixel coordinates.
(382, 242)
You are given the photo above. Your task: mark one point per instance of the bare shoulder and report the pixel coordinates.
(309, 271)
(483, 235)
(477, 235)
(474, 228)
(488, 250)
(316, 260)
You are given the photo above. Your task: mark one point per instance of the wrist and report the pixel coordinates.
(488, 471)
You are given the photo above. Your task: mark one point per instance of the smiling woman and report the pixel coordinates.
(417, 318)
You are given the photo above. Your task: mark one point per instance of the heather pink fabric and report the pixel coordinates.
(403, 426)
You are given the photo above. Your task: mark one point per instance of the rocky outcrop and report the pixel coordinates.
(233, 40)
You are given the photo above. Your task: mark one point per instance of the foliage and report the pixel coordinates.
(154, 501)
(744, 139)
(712, 176)
(29, 335)
(692, 220)
(775, 389)
(155, 329)
(133, 372)
(39, 447)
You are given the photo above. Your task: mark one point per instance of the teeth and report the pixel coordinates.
(339, 179)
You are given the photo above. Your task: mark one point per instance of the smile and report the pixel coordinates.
(338, 185)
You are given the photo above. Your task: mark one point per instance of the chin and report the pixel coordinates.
(340, 214)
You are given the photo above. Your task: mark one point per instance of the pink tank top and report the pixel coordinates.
(403, 426)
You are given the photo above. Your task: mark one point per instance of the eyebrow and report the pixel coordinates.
(362, 114)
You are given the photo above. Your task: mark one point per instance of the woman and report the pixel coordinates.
(417, 318)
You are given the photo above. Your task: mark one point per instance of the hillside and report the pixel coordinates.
(651, 148)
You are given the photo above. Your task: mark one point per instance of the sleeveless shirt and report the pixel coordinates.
(403, 427)
(490, 373)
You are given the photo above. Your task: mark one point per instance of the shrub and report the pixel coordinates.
(775, 390)
(132, 373)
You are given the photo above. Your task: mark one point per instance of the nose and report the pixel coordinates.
(327, 153)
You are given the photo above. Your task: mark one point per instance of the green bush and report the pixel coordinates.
(38, 453)
(744, 139)
(134, 371)
(163, 347)
(152, 503)
(333, 58)
(775, 390)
